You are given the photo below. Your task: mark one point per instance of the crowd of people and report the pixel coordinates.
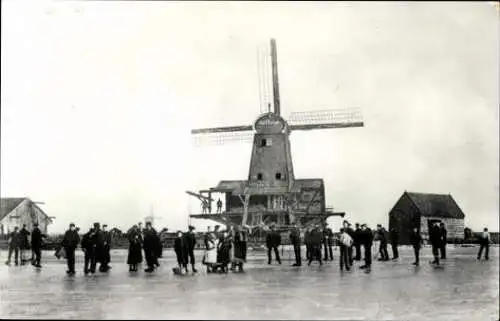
(227, 249)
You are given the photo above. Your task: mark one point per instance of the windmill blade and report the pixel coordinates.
(223, 138)
(227, 129)
(326, 119)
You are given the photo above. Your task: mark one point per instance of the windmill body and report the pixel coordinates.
(271, 193)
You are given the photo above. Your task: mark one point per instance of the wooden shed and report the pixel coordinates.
(423, 209)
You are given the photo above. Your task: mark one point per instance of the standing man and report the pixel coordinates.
(273, 241)
(327, 242)
(219, 206)
(25, 244)
(70, 243)
(88, 248)
(98, 241)
(394, 236)
(151, 245)
(345, 243)
(367, 242)
(435, 239)
(295, 239)
(315, 239)
(36, 245)
(14, 243)
(484, 242)
(382, 237)
(307, 241)
(444, 240)
(416, 241)
(106, 249)
(357, 242)
(349, 230)
(190, 243)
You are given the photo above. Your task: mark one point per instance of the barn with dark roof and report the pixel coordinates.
(17, 211)
(423, 209)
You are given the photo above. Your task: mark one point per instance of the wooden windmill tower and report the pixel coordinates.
(271, 191)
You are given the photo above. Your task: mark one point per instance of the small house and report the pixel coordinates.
(422, 210)
(19, 211)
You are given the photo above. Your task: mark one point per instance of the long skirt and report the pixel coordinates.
(240, 252)
(134, 253)
(211, 256)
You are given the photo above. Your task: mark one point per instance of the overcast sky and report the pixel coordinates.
(98, 100)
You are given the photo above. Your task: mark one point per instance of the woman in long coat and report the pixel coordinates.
(224, 257)
(134, 249)
(240, 249)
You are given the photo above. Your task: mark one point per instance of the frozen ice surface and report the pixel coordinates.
(463, 289)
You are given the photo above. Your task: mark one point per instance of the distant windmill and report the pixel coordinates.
(151, 217)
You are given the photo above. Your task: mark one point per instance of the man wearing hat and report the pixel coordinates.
(70, 242)
(36, 245)
(273, 241)
(366, 239)
(98, 241)
(151, 247)
(190, 243)
(295, 239)
(106, 248)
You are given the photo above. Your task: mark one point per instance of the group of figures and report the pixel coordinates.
(96, 245)
(224, 248)
(20, 245)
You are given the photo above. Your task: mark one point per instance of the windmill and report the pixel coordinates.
(151, 217)
(271, 192)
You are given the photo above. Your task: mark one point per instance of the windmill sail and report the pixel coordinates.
(323, 119)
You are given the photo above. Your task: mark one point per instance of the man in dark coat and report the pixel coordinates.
(307, 242)
(367, 242)
(416, 242)
(394, 236)
(36, 245)
(190, 244)
(484, 244)
(316, 239)
(382, 238)
(151, 246)
(328, 242)
(25, 244)
(98, 241)
(350, 231)
(180, 250)
(106, 250)
(435, 240)
(70, 243)
(273, 241)
(444, 240)
(88, 248)
(295, 239)
(14, 244)
(357, 242)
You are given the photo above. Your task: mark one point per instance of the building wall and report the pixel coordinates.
(454, 226)
(22, 215)
(403, 217)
